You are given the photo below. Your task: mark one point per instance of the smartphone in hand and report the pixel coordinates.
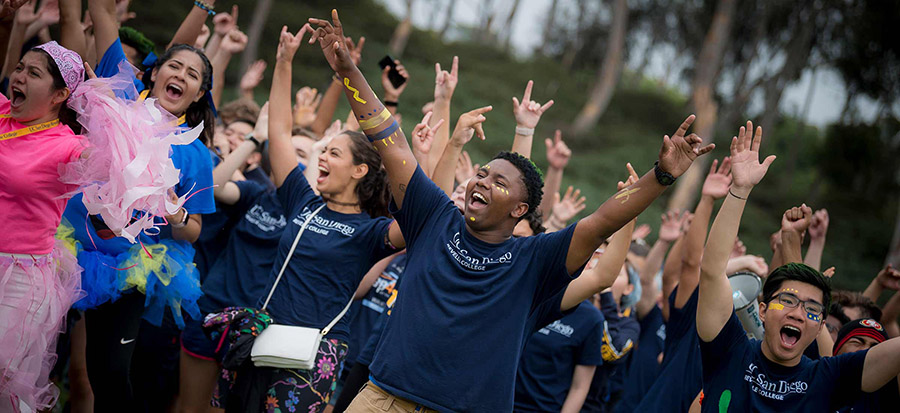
(393, 73)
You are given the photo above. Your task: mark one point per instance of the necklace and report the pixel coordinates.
(346, 204)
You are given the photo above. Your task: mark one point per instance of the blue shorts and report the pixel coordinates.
(195, 343)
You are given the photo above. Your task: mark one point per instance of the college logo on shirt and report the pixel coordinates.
(776, 390)
(558, 327)
(265, 221)
(323, 226)
(461, 255)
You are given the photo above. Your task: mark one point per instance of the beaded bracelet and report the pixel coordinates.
(205, 7)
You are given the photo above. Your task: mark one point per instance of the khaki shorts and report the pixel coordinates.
(373, 399)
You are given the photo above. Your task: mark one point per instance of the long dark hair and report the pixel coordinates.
(66, 115)
(372, 189)
(199, 111)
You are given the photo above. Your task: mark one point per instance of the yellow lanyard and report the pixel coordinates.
(27, 130)
(181, 120)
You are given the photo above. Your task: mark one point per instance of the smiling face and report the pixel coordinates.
(32, 93)
(303, 145)
(337, 173)
(495, 197)
(178, 81)
(235, 133)
(788, 331)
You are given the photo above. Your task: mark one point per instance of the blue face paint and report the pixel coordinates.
(813, 317)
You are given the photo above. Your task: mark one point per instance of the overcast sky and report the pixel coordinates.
(827, 99)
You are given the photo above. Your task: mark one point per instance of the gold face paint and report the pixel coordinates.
(626, 194)
(404, 162)
(472, 219)
(789, 290)
(776, 306)
(354, 90)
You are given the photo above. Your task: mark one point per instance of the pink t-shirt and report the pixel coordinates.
(30, 190)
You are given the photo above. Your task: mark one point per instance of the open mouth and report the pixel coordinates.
(17, 97)
(478, 200)
(790, 335)
(323, 174)
(174, 91)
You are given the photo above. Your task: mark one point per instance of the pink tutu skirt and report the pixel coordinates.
(35, 294)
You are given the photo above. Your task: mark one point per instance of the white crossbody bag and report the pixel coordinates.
(290, 347)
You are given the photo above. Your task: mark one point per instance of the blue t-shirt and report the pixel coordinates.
(364, 314)
(644, 366)
(737, 374)
(241, 273)
(680, 377)
(108, 65)
(884, 400)
(259, 176)
(551, 354)
(196, 172)
(333, 255)
(455, 335)
(215, 232)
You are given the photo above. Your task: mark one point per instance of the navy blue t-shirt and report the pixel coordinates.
(333, 255)
(680, 377)
(241, 273)
(259, 176)
(737, 374)
(214, 233)
(551, 354)
(364, 314)
(455, 335)
(620, 332)
(884, 400)
(644, 366)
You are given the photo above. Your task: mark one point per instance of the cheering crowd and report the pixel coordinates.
(166, 251)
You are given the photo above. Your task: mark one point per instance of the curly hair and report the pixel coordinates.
(372, 190)
(532, 177)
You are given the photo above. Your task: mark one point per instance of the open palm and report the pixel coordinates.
(719, 179)
(746, 169)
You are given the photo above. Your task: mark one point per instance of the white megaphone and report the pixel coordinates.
(746, 286)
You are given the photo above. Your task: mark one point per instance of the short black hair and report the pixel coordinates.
(797, 272)
(532, 177)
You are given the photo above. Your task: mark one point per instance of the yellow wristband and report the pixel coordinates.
(376, 120)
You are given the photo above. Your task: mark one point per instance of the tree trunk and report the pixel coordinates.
(401, 33)
(254, 33)
(707, 66)
(448, 18)
(608, 76)
(507, 27)
(574, 47)
(548, 27)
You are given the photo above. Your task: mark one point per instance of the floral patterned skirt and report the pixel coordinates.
(306, 391)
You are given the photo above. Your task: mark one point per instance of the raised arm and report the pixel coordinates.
(564, 209)
(715, 187)
(7, 16)
(24, 16)
(192, 25)
(669, 232)
(675, 157)
(887, 278)
(469, 124)
(233, 43)
(282, 155)
(794, 223)
(226, 191)
(882, 364)
(71, 33)
(374, 119)
(251, 78)
(222, 24)
(715, 305)
(528, 114)
(105, 24)
(422, 138)
(817, 231)
(558, 155)
(889, 314)
(392, 94)
(444, 85)
(332, 95)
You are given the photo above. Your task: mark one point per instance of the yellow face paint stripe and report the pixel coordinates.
(626, 194)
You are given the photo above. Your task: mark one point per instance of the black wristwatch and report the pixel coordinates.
(664, 178)
(253, 139)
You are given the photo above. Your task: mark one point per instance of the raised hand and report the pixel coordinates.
(390, 92)
(719, 180)
(569, 206)
(678, 152)
(670, 229)
(48, 14)
(469, 124)
(423, 135)
(261, 130)
(445, 82)
(889, 278)
(632, 178)
(464, 168)
(8, 7)
(253, 76)
(528, 112)
(752, 263)
(289, 43)
(331, 40)
(558, 153)
(641, 232)
(224, 23)
(797, 219)
(739, 248)
(829, 272)
(25, 15)
(234, 42)
(746, 170)
(306, 103)
(819, 226)
(355, 49)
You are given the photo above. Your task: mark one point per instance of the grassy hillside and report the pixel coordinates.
(631, 130)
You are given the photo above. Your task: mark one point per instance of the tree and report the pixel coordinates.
(254, 32)
(448, 18)
(507, 27)
(401, 34)
(608, 75)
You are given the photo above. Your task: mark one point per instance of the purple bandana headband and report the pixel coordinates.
(71, 67)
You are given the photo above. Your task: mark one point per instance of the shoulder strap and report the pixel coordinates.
(339, 316)
(290, 254)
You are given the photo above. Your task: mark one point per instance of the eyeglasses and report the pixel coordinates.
(792, 301)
